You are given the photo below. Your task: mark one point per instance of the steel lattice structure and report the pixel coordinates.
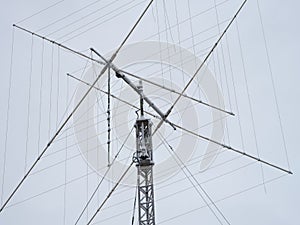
(144, 163)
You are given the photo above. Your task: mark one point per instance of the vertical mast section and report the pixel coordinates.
(144, 163)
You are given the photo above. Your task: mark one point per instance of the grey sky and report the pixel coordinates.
(278, 203)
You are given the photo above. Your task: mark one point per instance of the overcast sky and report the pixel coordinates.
(276, 202)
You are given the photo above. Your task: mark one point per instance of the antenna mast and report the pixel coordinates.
(144, 164)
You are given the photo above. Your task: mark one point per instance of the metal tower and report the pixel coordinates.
(144, 164)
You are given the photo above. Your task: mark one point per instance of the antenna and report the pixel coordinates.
(143, 156)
